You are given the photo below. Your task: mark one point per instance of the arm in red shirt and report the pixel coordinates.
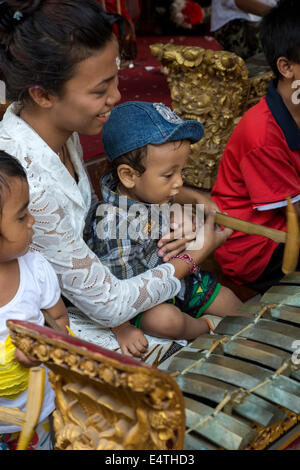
(271, 174)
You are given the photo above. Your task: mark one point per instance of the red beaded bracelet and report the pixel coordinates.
(188, 259)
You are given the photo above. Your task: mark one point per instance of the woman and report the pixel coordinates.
(60, 63)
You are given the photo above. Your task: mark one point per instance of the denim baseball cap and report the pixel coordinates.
(134, 124)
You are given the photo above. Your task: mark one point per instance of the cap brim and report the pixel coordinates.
(188, 130)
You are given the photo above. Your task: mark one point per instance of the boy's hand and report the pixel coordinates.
(26, 361)
(195, 196)
(208, 204)
(213, 238)
(132, 341)
(183, 232)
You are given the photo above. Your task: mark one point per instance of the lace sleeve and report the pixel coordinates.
(84, 280)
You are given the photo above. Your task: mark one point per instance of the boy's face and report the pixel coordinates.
(162, 178)
(16, 221)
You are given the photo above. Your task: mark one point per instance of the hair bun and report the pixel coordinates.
(6, 15)
(9, 8)
(24, 6)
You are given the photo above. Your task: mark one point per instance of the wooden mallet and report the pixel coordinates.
(290, 237)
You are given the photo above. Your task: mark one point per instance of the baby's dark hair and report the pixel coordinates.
(134, 159)
(10, 167)
(41, 44)
(280, 34)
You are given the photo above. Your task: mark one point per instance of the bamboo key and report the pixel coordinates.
(35, 397)
(27, 420)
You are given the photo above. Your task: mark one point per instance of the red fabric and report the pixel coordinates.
(295, 445)
(12, 442)
(192, 13)
(257, 168)
(111, 7)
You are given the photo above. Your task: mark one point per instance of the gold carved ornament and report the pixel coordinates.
(102, 401)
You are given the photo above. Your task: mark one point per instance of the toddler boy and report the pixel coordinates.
(148, 145)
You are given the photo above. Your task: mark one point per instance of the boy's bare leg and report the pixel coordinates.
(226, 304)
(167, 321)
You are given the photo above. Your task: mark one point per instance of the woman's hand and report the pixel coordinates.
(26, 361)
(186, 227)
(213, 237)
(183, 230)
(183, 224)
(173, 243)
(132, 340)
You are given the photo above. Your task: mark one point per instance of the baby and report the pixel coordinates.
(27, 284)
(148, 146)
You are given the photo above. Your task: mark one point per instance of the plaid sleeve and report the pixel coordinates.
(121, 257)
(112, 243)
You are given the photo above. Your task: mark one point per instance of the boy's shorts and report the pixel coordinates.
(198, 296)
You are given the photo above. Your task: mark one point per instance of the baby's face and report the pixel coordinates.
(162, 178)
(16, 221)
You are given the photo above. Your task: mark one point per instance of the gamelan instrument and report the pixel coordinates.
(236, 389)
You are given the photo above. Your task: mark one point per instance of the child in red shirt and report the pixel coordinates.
(260, 166)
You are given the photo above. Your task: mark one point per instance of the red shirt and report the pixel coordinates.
(260, 167)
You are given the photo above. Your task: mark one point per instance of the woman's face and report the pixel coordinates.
(90, 94)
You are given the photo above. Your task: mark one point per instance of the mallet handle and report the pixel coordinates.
(250, 228)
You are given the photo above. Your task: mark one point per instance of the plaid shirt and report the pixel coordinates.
(125, 235)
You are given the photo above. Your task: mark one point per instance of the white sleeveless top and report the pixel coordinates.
(38, 289)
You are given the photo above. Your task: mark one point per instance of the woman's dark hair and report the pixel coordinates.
(280, 33)
(134, 159)
(10, 167)
(42, 43)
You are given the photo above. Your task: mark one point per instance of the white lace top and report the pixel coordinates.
(60, 207)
